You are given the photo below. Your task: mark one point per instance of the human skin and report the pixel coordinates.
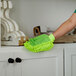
(66, 27)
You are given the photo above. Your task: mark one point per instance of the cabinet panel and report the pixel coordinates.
(70, 62)
(2, 69)
(6, 53)
(6, 69)
(49, 63)
(17, 69)
(40, 67)
(10, 69)
(73, 65)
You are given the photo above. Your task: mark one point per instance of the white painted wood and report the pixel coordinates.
(6, 69)
(3, 68)
(70, 61)
(10, 26)
(37, 62)
(9, 69)
(10, 31)
(18, 69)
(4, 6)
(49, 63)
(6, 15)
(7, 12)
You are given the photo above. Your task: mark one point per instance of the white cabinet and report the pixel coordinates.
(70, 61)
(6, 69)
(49, 63)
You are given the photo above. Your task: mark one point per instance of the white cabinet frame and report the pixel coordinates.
(70, 61)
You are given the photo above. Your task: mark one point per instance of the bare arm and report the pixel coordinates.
(66, 27)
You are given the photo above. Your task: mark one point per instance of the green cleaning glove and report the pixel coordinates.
(40, 43)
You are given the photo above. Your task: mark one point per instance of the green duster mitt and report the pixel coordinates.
(40, 43)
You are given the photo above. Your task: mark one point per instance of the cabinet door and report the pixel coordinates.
(6, 69)
(49, 63)
(70, 61)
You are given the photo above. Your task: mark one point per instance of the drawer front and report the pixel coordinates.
(48, 63)
(23, 53)
(5, 54)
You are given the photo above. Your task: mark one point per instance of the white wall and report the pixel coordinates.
(51, 13)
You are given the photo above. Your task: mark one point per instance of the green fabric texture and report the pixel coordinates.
(40, 43)
(75, 11)
(52, 38)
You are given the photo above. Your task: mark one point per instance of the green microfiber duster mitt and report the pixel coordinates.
(40, 43)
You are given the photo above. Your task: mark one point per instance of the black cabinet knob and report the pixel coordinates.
(18, 60)
(10, 60)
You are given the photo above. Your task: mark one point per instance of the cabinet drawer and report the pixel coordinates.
(23, 53)
(5, 54)
(48, 63)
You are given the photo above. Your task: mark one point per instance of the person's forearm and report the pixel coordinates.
(65, 27)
